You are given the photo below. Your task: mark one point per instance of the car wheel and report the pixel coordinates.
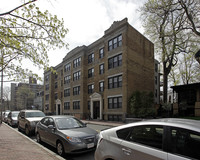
(60, 148)
(38, 138)
(27, 131)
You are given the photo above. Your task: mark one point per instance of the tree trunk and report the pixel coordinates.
(165, 83)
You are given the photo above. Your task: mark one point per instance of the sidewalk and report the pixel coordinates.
(16, 146)
(103, 123)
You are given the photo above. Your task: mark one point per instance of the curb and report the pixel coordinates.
(39, 145)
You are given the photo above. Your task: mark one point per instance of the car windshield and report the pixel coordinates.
(68, 123)
(34, 114)
(15, 114)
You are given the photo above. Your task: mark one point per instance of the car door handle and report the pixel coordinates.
(126, 151)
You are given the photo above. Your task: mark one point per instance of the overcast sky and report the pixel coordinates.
(86, 20)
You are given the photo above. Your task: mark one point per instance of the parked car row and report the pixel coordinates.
(66, 133)
(166, 139)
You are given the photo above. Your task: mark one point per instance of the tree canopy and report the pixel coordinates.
(173, 27)
(26, 32)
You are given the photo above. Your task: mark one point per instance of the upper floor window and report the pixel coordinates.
(115, 61)
(67, 92)
(101, 53)
(91, 58)
(77, 62)
(56, 84)
(115, 82)
(115, 42)
(67, 67)
(91, 72)
(77, 75)
(101, 86)
(101, 69)
(47, 78)
(47, 97)
(67, 79)
(47, 87)
(90, 88)
(76, 90)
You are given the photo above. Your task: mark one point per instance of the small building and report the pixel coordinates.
(188, 100)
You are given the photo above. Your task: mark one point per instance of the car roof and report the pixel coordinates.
(173, 122)
(31, 111)
(60, 116)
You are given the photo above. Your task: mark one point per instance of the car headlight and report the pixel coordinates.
(73, 139)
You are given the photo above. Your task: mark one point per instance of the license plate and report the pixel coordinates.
(90, 145)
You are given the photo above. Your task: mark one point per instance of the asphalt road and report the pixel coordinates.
(84, 156)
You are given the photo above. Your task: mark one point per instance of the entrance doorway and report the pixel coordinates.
(58, 109)
(96, 109)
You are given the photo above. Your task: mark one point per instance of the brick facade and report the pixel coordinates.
(102, 75)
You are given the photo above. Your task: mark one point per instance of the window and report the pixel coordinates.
(148, 135)
(76, 105)
(47, 78)
(66, 105)
(91, 58)
(76, 76)
(46, 106)
(47, 97)
(185, 142)
(47, 87)
(67, 79)
(115, 61)
(101, 69)
(90, 72)
(115, 82)
(67, 67)
(101, 53)
(56, 84)
(77, 62)
(101, 86)
(90, 88)
(56, 96)
(115, 42)
(115, 102)
(76, 90)
(67, 92)
(117, 118)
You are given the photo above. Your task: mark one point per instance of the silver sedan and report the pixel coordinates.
(67, 134)
(159, 139)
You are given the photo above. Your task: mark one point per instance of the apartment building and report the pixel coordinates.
(97, 80)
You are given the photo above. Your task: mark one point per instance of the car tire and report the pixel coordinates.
(38, 138)
(27, 132)
(60, 149)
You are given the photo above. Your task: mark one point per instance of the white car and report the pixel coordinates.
(159, 139)
(27, 120)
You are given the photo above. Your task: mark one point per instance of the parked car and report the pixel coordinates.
(5, 116)
(67, 134)
(27, 120)
(13, 118)
(167, 139)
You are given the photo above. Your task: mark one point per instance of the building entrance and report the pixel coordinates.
(96, 110)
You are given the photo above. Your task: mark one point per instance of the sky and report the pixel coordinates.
(86, 20)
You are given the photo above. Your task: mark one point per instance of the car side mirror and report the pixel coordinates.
(51, 127)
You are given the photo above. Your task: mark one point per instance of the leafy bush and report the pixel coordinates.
(141, 104)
